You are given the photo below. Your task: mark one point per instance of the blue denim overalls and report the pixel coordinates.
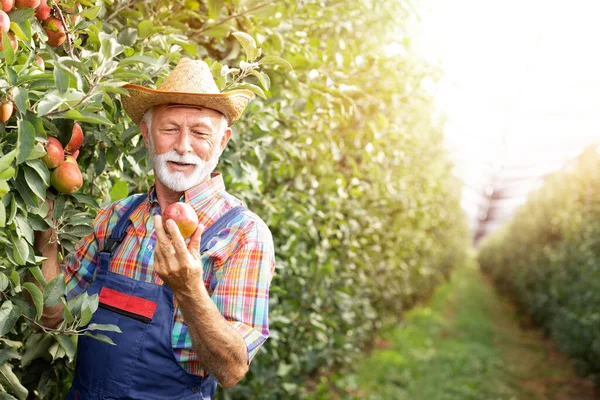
(142, 365)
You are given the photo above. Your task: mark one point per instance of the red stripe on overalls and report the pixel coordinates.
(126, 302)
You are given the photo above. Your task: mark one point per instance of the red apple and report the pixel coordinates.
(7, 5)
(27, 3)
(42, 12)
(75, 154)
(76, 139)
(184, 216)
(55, 31)
(4, 21)
(40, 61)
(13, 41)
(6, 110)
(67, 178)
(56, 153)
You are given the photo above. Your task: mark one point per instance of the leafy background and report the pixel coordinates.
(546, 258)
(339, 154)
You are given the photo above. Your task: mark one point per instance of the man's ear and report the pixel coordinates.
(225, 138)
(144, 131)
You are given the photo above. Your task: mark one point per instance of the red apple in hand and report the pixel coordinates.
(184, 216)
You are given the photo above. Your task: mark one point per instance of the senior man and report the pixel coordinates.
(191, 314)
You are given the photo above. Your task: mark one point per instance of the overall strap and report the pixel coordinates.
(118, 233)
(221, 223)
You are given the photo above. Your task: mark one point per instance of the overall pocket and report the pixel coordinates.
(107, 368)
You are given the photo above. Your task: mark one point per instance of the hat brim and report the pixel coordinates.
(230, 104)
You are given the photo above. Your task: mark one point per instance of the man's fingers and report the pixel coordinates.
(177, 240)
(195, 240)
(162, 239)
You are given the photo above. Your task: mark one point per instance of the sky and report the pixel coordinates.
(521, 85)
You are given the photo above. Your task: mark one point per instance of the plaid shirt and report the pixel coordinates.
(238, 265)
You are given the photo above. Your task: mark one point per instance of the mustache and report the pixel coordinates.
(174, 156)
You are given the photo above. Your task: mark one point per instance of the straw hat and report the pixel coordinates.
(190, 83)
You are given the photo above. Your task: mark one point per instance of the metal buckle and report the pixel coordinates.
(111, 244)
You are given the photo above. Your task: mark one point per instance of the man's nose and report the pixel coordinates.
(183, 144)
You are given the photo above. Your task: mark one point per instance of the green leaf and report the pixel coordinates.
(21, 14)
(66, 343)
(40, 168)
(7, 159)
(35, 182)
(3, 281)
(21, 29)
(54, 291)
(4, 188)
(38, 151)
(24, 229)
(36, 295)
(39, 277)
(16, 29)
(91, 13)
(104, 327)
(100, 337)
(7, 173)
(61, 80)
(127, 37)
(144, 28)
(8, 51)
(86, 316)
(214, 8)
(20, 95)
(20, 251)
(119, 191)
(9, 314)
(79, 230)
(248, 44)
(261, 78)
(138, 59)
(10, 380)
(2, 216)
(51, 101)
(24, 191)
(8, 354)
(36, 346)
(253, 88)
(26, 140)
(59, 206)
(274, 60)
(87, 117)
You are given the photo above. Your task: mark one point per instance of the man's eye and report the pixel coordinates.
(201, 133)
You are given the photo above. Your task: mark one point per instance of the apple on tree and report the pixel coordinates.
(7, 5)
(55, 153)
(6, 110)
(67, 178)
(76, 140)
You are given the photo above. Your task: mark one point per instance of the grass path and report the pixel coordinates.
(465, 344)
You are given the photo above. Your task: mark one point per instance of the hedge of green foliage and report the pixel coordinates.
(338, 154)
(547, 256)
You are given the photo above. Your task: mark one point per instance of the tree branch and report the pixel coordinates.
(66, 28)
(221, 22)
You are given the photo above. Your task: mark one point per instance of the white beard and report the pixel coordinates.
(178, 181)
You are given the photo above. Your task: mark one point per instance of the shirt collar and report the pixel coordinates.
(199, 194)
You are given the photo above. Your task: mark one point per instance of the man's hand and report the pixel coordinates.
(178, 265)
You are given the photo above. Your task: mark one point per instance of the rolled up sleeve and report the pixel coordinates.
(242, 292)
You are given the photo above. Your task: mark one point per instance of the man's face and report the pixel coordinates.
(184, 144)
